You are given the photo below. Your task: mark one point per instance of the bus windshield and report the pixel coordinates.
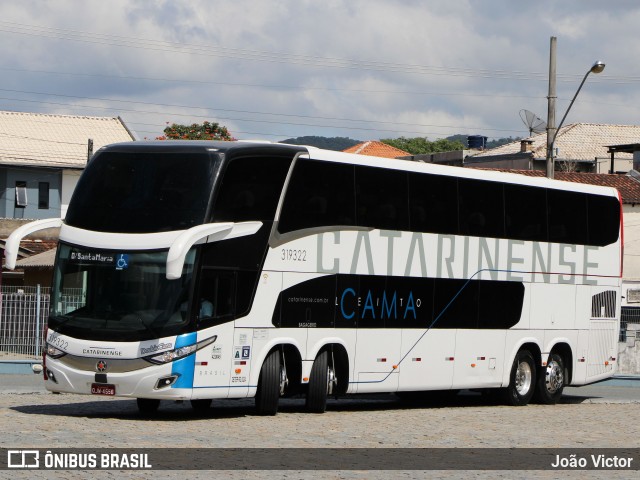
(143, 192)
(118, 296)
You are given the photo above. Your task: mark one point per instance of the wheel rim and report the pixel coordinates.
(331, 380)
(523, 378)
(554, 377)
(283, 379)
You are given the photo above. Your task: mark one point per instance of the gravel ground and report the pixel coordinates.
(42, 420)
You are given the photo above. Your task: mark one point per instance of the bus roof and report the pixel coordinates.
(249, 147)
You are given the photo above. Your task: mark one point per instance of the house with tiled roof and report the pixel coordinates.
(581, 147)
(34, 265)
(42, 156)
(377, 149)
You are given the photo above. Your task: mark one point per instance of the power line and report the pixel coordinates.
(281, 87)
(262, 120)
(264, 56)
(291, 115)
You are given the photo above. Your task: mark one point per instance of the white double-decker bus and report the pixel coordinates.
(204, 270)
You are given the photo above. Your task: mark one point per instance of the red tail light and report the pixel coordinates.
(621, 236)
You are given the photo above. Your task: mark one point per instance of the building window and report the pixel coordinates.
(21, 194)
(43, 195)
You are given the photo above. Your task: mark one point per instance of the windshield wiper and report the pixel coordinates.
(148, 327)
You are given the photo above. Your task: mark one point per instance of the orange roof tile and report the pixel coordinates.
(377, 149)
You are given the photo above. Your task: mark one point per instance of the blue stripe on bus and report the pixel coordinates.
(185, 367)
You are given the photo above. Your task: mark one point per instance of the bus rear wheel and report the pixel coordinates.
(552, 381)
(321, 383)
(522, 379)
(269, 385)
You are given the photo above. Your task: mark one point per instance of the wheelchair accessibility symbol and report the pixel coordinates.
(122, 262)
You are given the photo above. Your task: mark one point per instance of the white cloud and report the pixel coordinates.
(397, 67)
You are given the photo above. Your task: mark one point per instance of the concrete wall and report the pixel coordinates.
(510, 163)
(629, 352)
(69, 181)
(631, 262)
(603, 165)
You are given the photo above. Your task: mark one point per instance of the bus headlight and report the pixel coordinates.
(178, 353)
(54, 352)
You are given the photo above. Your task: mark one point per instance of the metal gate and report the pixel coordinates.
(23, 315)
(23, 318)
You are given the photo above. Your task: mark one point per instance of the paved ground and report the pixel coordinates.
(605, 415)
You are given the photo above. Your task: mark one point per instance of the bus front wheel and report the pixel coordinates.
(552, 381)
(321, 383)
(269, 385)
(522, 379)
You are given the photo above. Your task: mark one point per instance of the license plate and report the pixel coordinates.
(103, 389)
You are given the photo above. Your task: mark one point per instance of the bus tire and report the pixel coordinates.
(522, 380)
(551, 381)
(318, 384)
(268, 392)
(201, 404)
(147, 406)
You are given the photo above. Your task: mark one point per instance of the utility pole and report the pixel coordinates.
(551, 109)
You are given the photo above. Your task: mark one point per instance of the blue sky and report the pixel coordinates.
(365, 69)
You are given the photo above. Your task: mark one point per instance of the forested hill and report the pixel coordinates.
(342, 143)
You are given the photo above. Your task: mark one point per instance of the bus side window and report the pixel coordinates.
(215, 301)
(481, 208)
(525, 213)
(434, 203)
(224, 295)
(381, 198)
(250, 189)
(604, 220)
(567, 217)
(320, 194)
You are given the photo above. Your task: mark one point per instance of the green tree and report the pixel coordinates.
(421, 145)
(206, 131)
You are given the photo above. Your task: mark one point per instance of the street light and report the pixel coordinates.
(552, 131)
(596, 68)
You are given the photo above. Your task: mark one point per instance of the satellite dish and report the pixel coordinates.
(533, 122)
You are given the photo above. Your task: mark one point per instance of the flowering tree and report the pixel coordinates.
(206, 131)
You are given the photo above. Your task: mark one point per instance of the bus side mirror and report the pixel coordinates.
(213, 232)
(12, 244)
